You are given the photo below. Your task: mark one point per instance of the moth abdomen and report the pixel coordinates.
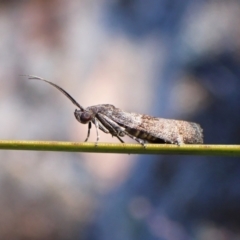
(140, 134)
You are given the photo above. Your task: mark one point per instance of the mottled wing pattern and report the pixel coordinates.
(156, 130)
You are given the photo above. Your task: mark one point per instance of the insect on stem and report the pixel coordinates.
(140, 127)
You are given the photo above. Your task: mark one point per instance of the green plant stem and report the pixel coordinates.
(211, 150)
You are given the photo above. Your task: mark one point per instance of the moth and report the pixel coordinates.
(140, 127)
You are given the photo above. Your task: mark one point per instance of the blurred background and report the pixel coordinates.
(168, 58)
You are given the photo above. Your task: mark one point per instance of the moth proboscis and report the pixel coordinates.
(140, 127)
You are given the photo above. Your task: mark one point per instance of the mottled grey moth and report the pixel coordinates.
(140, 127)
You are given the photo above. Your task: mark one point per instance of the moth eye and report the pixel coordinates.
(85, 117)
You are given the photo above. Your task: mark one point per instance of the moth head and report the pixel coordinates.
(83, 116)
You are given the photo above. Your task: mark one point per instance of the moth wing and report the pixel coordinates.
(164, 130)
(140, 126)
(125, 119)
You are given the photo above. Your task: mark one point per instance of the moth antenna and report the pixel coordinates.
(59, 88)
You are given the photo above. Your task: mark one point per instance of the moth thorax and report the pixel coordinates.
(83, 116)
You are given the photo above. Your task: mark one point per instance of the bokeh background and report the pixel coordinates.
(168, 58)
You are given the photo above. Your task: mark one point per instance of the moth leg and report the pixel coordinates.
(101, 127)
(89, 129)
(142, 142)
(97, 126)
(179, 141)
(108, 123)
(113, 127)
(120, 139)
